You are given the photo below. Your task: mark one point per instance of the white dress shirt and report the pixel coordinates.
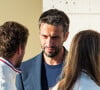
(7, 75)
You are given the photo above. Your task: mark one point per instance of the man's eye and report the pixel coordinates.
(44, 36)
(55, 37)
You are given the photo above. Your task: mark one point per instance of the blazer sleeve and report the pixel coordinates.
(19, 82)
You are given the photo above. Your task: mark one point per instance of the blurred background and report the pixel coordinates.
(83, 14)
(27, 13)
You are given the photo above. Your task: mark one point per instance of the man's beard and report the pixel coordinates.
(57, 50)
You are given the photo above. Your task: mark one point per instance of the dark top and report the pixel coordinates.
(50, 75)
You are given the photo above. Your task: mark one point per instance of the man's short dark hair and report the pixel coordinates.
(55, 17)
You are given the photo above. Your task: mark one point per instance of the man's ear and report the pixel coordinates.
(66, 36)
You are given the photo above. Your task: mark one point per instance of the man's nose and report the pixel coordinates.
(50, 42)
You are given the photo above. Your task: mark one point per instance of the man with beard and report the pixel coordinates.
(13, 39)
(42, 71)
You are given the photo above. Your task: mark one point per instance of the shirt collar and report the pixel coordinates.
(10, 65)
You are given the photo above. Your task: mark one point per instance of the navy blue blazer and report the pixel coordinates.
(30, 78)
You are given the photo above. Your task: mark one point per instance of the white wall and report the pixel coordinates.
(83, 14)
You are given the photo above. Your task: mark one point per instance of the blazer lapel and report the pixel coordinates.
(37, 72)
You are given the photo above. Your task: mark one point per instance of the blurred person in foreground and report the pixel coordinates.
(82, 66)
(42, 71)
(13, 39)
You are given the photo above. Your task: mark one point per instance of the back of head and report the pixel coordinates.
(83, 56)
(85, 48)
(55, 17)
(12, 35)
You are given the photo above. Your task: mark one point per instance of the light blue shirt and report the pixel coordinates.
(7, 75)
(85, 83)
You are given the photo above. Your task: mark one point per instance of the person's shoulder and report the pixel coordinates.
(86, 79)
(86, 83)
(31, 60)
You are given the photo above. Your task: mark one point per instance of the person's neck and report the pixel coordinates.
(55, 60)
